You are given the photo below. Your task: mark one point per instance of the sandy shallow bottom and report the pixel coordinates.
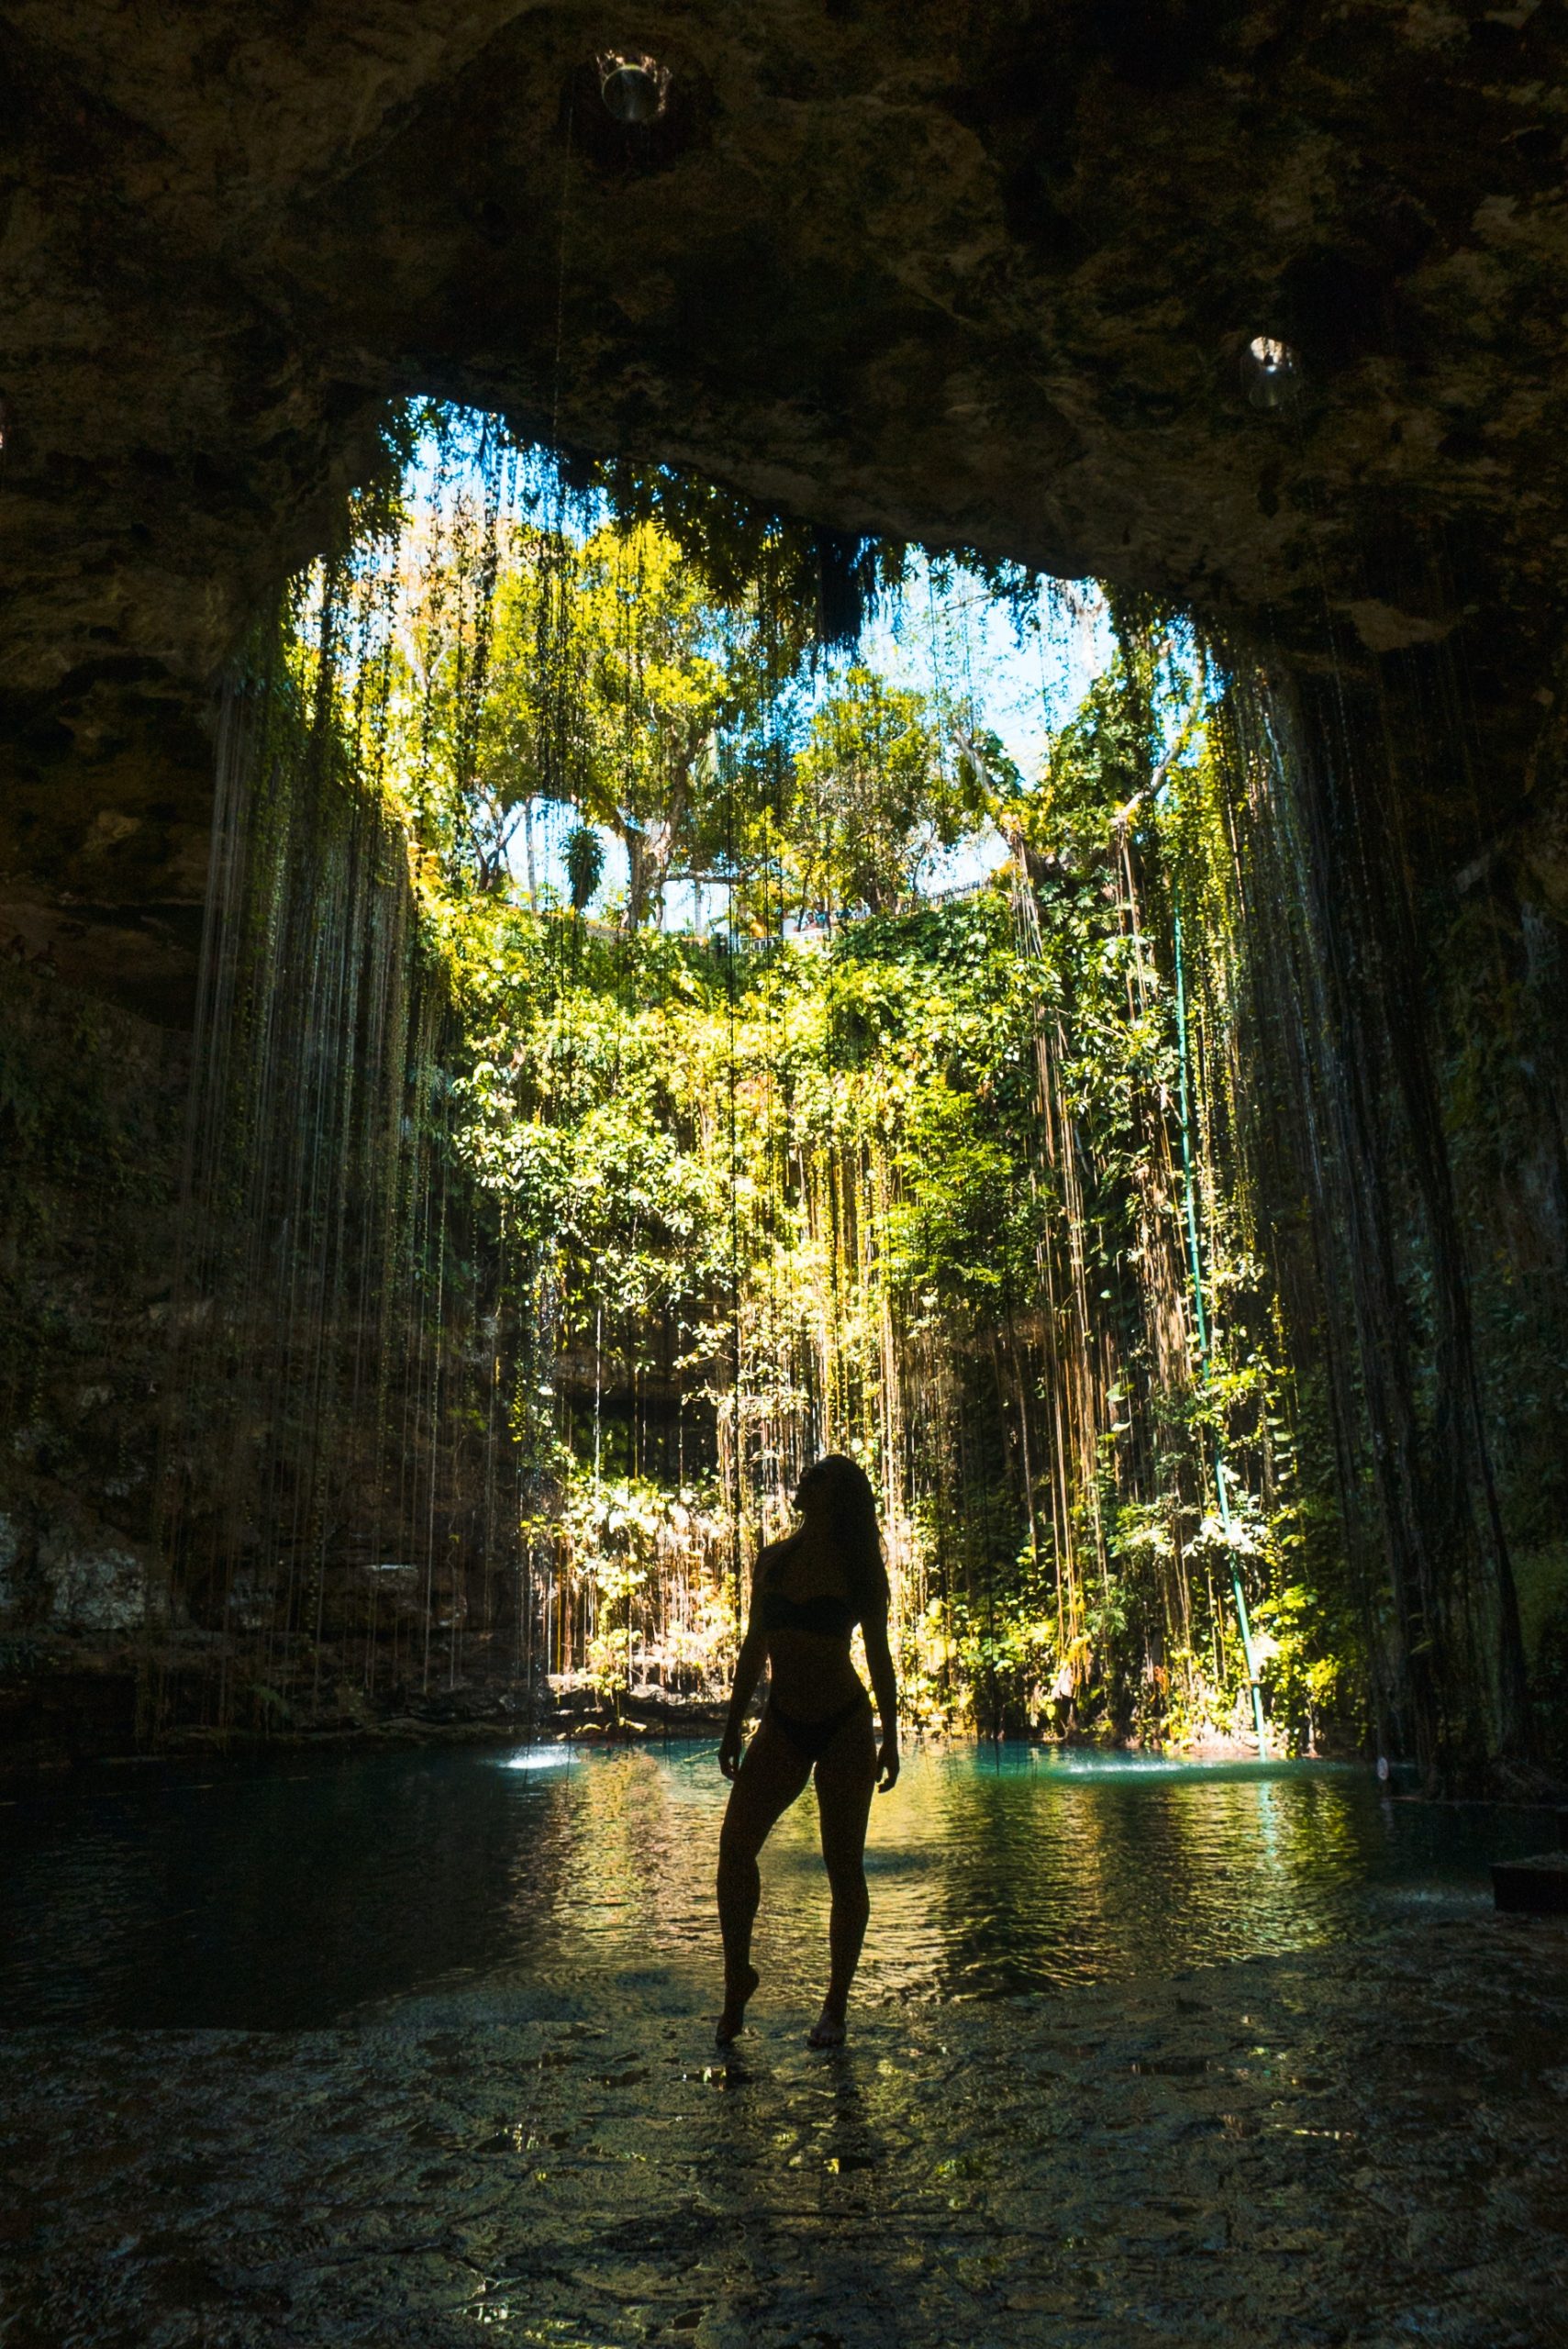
(1367, 2145)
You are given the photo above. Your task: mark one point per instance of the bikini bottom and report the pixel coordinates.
(813, 1738)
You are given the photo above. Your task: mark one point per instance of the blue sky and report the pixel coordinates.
(961, 647)
(945, 636)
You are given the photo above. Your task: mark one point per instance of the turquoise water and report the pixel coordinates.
(545, 1881)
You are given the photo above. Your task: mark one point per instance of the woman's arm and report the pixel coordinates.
(749, 1666)
(879, 1657)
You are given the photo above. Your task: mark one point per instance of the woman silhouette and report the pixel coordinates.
(808, 1595)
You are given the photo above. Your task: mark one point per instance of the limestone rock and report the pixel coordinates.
(97, 1589)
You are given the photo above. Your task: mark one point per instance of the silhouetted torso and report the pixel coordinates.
(808, 1616)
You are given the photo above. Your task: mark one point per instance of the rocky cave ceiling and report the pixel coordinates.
(979, 273)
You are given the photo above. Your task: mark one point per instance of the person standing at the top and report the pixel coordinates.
(808, 1595)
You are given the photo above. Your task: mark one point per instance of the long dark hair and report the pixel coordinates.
(838, 1490)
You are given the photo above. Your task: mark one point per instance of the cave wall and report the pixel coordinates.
(257, 1473)
(92, 1102)
(1499, 964)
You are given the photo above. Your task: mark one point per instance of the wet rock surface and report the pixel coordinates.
(1361, 2146)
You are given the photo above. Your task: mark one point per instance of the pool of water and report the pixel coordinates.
(544, 1881)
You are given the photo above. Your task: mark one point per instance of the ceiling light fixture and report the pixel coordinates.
(634, 88)
(1273, 377)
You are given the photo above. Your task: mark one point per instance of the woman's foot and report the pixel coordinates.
(827, 2031)
(734, 2016)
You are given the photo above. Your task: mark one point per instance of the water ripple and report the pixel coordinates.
(546, 1882)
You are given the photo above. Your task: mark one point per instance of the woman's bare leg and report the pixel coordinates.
(773, 1772)
(846, 1777)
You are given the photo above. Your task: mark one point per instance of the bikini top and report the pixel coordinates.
(829, 1617)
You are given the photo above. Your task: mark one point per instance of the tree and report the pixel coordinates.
(873, 797)
(614, 676)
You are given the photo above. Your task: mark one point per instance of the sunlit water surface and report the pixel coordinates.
(542, 1882)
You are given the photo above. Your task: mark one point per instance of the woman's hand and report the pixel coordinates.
(729, 1749)
(888, 1766)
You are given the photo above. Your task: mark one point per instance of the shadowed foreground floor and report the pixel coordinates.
(1361, 2145)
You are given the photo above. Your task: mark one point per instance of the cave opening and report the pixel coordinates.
(684, 992)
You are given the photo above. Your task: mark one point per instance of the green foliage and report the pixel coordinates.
(584, 864)
(933, 1183)
(895, 1067)
(869, 799)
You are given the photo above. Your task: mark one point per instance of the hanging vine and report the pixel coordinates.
(611, 1120)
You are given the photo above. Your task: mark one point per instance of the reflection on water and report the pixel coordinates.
(544, 1881)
